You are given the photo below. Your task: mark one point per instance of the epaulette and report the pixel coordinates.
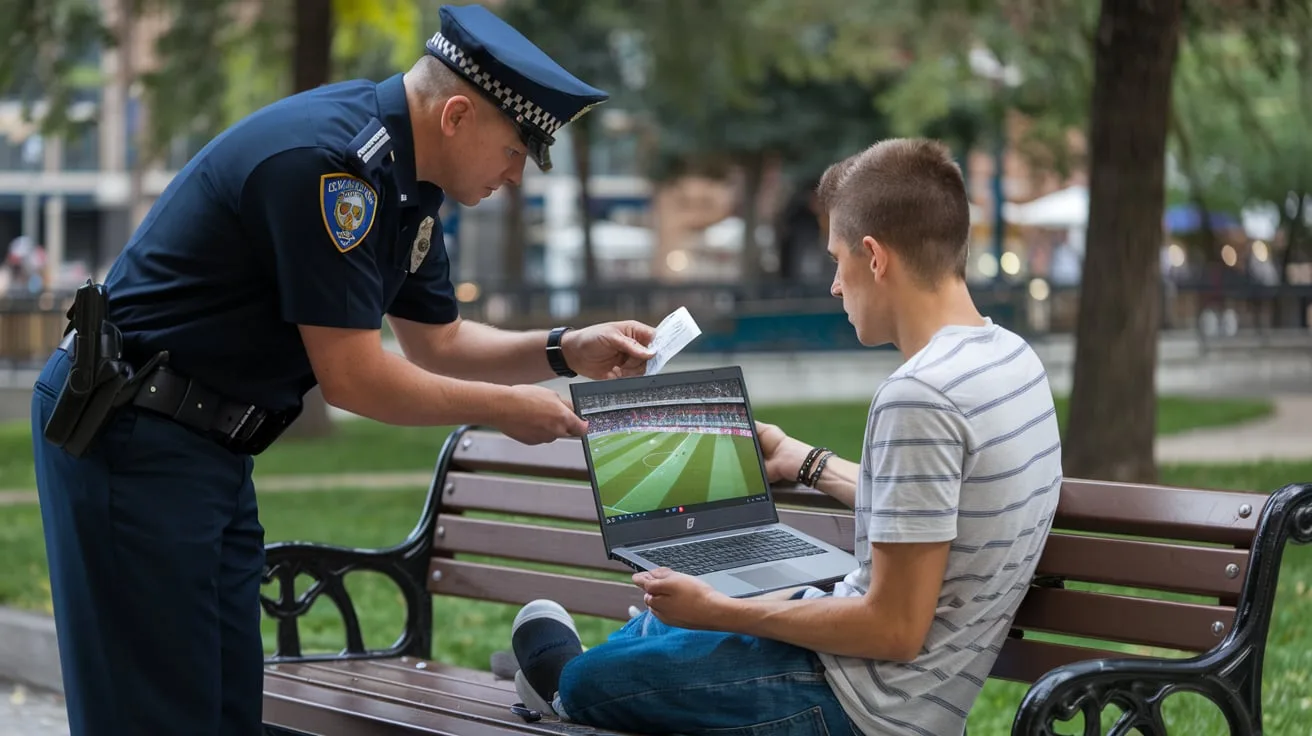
(370, 149)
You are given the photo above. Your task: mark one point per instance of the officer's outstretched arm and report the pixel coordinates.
(472, 350)
(356, 374)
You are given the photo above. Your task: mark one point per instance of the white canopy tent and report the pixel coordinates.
(610, 241)
(1062, 209)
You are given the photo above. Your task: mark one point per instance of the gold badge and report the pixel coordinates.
(422, 243)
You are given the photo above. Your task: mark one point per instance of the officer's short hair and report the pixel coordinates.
(436, 81)
(908, 194)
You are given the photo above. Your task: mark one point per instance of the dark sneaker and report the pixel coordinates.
(544, 640)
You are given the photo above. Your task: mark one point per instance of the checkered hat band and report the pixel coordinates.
(512, 102)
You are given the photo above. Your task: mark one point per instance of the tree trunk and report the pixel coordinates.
(1286, 226)
(753, 172)
(310, 67)
(311, 56)
(1112, 426)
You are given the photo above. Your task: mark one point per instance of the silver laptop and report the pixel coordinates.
(679, 481)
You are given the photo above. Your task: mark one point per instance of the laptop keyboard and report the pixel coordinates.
(738, 550)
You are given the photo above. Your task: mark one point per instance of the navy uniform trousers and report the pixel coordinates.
(156, 553)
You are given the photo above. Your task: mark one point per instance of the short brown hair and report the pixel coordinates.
(908, 194)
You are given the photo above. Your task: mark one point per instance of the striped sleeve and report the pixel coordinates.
(914, 462)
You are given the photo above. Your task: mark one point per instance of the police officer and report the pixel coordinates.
(266, 267)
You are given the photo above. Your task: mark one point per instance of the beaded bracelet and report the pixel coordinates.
(819, 469)
(804, 472)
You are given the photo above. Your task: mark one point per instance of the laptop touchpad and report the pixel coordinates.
(774, 576)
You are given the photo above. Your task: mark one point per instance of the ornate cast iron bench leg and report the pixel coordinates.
(1230, 675)
(328, 567)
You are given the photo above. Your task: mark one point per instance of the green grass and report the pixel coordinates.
(364, 446)
(467, 632)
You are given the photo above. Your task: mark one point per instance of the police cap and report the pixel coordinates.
(535, 92)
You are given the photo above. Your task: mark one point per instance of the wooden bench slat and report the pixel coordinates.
(303, 706)
(1130, 563)
(1137, 564)
(1169, 624)
(1159, 511)
(461, 681)
(602, 598)
(553, 500)
(571, 547)
(402, 692)
(470, 683)
(1026, 660)
(492, 452)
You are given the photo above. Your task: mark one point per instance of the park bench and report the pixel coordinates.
(1222, 550)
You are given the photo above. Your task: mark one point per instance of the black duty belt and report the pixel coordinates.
(241, 427)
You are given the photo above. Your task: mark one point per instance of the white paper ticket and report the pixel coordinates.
(672, 335)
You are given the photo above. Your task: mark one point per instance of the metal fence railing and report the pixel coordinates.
(778, 317)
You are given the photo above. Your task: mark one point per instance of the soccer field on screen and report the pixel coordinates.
(644, 471)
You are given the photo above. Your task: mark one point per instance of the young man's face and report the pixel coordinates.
(859, 281)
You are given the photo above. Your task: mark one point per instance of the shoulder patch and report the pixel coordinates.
(370, 146)
(348, 205)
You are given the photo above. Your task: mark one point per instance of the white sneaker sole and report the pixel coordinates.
(529, 697)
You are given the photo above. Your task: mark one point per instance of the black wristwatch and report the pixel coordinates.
(556, 356)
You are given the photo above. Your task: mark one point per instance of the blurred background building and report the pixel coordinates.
(698, 193)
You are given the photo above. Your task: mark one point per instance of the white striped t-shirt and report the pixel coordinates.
(961, 445)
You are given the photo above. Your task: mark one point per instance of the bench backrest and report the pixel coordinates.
(1177, 558)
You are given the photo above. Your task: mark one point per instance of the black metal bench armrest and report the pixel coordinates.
(1138, 687)
(328, 566)
(406, 564)
(1230, 674)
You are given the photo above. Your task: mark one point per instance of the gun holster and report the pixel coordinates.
(99, 380)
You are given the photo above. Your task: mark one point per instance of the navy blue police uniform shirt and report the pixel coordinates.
(306, 212)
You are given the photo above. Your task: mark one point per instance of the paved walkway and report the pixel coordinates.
(25, 712)
(1286, 435)
(285, 483)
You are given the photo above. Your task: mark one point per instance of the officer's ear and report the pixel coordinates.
(457, 112)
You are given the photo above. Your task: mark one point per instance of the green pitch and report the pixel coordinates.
(644, 471)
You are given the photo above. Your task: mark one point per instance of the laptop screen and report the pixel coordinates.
(672, 445)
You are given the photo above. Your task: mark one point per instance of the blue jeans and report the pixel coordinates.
(156, 553)
(653, 678)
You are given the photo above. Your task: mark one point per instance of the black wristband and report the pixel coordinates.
(819, 469)
(556, 356)
(804, 472)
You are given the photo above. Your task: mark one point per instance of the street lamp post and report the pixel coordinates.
(1004, 77)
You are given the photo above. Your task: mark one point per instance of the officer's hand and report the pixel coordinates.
(609, 350)
(538, 415)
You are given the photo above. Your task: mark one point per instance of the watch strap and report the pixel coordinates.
(555, 355)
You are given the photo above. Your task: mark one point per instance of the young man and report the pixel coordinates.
(954, 497)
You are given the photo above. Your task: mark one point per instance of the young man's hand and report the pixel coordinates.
(681, 600)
